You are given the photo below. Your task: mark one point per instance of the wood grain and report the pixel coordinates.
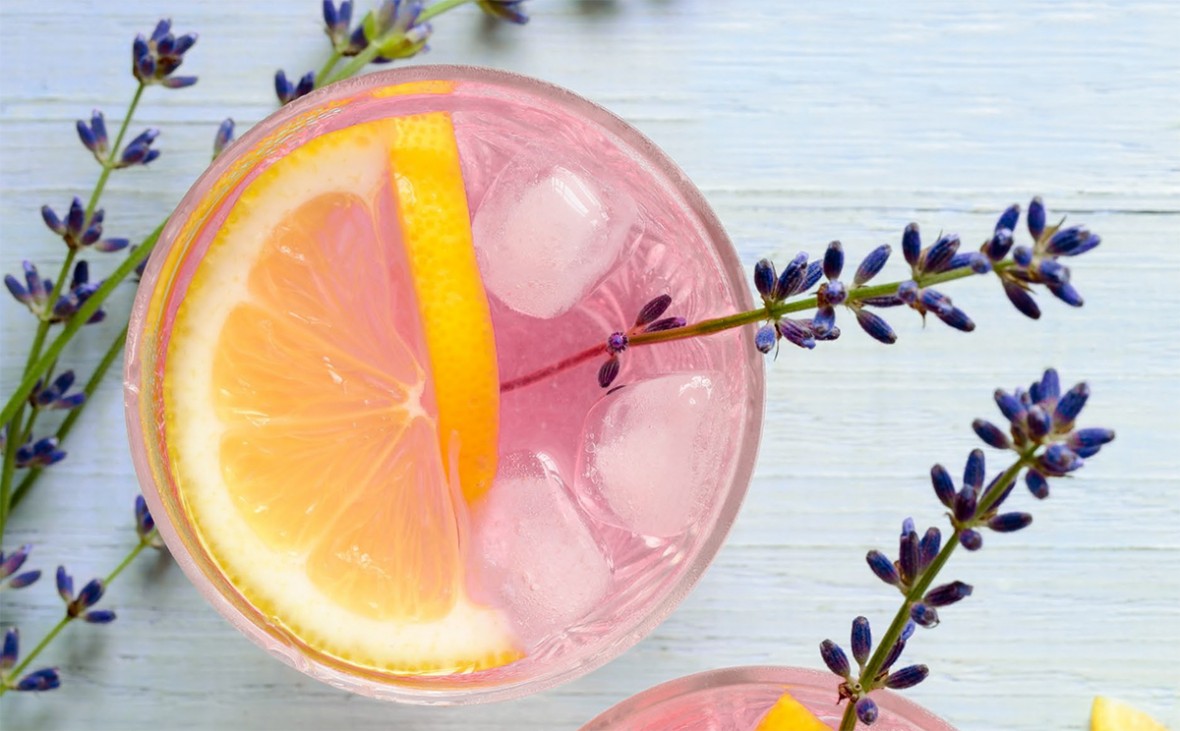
(800, 125)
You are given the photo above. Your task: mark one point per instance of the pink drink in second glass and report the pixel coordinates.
(737, 699)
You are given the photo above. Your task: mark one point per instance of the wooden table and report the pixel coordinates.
(800, 126)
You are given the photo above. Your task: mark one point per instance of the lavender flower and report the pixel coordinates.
(80, 231)
(41, 453)
(336, 23)
(648, 320)
(79, 606)
(1046, 443)
(55, 396)
(394, 28)
(11, 563)
(155, 58)
(139, 150)
(225, 133)
(288, 92)
(34, 293)
(94, 135)
(509, 10)
(39, 680)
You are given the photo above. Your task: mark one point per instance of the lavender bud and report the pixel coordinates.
(11, 649)
(866, 711)
(834, 658)
(11, 563)
(898, 647)
(1004, 492)
(973, 472)
(834, 260)
(1023, 256)
(991, 434)
(144, 524)
(1069, 406)
(1066, 292)
(814, 271)
(872, 264)
(796, 333)
(907, 677)
(907, 560)
(947, 594)
(667, 323)
(907, 291)
(971, 539)
(907, 631)
(875, 326)
(765, 278)
(1090, 438)
(65, 585)
(87, 597)
(1058, 459)
(766, 338)
(833, 293)
(224, 136)
(41, 680)
(1036, 217)
(928, 547)
(1009, 218)
(999, 245)
(1039, 422)
(608, 372)
(99, 616)
(1037, 484)
(938, 256)
(792, 279)
(652, 310)
(1009, 522)
(924, 615)
(965, 504)
(1010, 406)
(862, 640)
(882, 567)
(944, 486)
(1071, 241)
(1020, 298)
(911, 244)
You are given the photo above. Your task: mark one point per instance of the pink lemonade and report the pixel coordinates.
(362, 386)
(738, 699)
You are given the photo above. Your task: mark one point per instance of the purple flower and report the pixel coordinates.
(288, 92)
(144, 523)
(11, 649)
(509, 10)
(79, 231)
(835, 658)
(41, 453)
(55, 396)
(39, 680)
(155, 58)
(907, 677)
(11, 563)
(225, 132)
(79, 606)
(337, 22)
(139, 150)
(861, 640)
(94, 135)
(394, 28)
(866, 711)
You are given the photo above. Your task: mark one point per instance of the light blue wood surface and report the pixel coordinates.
(800, 125)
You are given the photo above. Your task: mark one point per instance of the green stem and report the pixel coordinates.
(108, 359)
(868, 675)
(109, 164)
(14, 420)
(326, 69)
(88, 308)
(13, 676)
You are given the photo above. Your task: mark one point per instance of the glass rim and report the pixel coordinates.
(144, 351)
(689, 685)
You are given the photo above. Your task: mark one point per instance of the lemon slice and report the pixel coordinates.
(315, 397)
(1109, 714)
(789, 714)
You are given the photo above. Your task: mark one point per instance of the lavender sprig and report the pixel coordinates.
(938, 263)
(1045, 446)
(78, 605)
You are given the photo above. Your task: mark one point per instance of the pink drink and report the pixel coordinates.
(736, 699)
(607, 505)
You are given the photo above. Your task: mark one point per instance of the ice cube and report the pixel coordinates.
(534, 553)
(653, 452)
(547, 233)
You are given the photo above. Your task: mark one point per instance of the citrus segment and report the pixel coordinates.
(432, 206)
(302, 417)
(789, 714)
(1109, 714)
